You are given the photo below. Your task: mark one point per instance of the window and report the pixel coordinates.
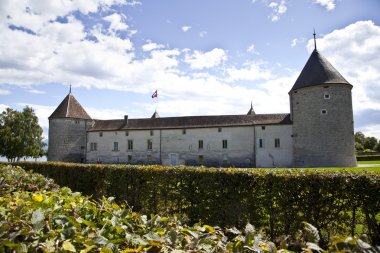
(261, 143)
(326, 96)
(129, 158)
(149, 144)
(219, 129)
(130, 144)
(200, 144)
(183, 131)
(115, 146)
(323, 111)
(325, 86)
(201, 159)
(151, 132)
(224, 143)
(93, 146)
(149, 158)
(100, 134)
(276, 143)
(76, 121)
(126, 133)
(262, 127)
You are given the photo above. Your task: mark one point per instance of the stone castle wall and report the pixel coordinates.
(323, 133)
(67, 139)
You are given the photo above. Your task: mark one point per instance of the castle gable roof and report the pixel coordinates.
(318, 70)
(191, 122)
(70, 108)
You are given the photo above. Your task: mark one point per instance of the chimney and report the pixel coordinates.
(125, 119)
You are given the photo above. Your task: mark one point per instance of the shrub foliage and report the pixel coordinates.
(278, 201)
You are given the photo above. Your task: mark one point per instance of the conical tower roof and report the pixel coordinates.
(251, 111)
(70, 108)
(318, 71)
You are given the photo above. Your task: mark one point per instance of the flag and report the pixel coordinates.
(154, 95)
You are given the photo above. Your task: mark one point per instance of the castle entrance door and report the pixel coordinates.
(173, 159)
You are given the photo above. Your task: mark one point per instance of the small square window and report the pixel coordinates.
(262, 127)
(130, 144)
(323, 111)
(115, 146)
(326, 96)
(219, 129)
(261, 143)
(151, 132)
(149, 144)
(277, 143)
(183, 131)
(200, 144)
(100, 134)
(224, 144)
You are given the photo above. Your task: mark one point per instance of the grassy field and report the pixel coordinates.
(369, 162)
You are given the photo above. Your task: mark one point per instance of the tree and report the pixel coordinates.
(370, 143)
(20, 134)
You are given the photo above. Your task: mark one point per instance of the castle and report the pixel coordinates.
(317, 132)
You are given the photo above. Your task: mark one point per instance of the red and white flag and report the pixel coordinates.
(154, 95)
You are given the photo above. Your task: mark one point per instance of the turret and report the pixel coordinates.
(322, 115)
(67, 131)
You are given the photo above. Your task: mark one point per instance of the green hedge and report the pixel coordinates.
(368, 157)
(337, 203)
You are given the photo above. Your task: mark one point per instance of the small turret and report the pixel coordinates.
(251, 111)
(67, 131)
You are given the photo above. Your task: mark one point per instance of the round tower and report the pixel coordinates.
(321, 111)
(68, 126)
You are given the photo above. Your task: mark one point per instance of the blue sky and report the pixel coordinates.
(204, 57)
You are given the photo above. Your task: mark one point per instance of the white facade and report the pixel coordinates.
(214, 146)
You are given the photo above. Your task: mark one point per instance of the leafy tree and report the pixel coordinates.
(20, 134)
(377, 147)
(359, 138)
(370, 143)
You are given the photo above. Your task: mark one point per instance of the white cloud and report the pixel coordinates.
(200, 60)
(353, 51)
(202, 34)
(151, 46)
(186, 28)
(5, 92)
(278, 8)
(251, 49)
(116, 22)
(3, 107)
(250, 72)
(297, 41)
(328, 4)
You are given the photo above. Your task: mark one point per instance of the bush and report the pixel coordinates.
(278, 201)
(368, 158)
(49, 219)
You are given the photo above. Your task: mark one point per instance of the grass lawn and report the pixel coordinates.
(369, 162)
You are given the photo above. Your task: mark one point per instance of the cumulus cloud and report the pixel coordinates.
(200, 60)
(278, 8)
(186, 28)
(328, 4)
(116, 22)
(151, 46)
(297, 41)
(251, 49)
(250, 72)
(5, 92)
(353, 51)
(202, 34)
